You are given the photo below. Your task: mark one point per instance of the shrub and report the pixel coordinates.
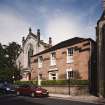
(55, 82)
(25, 82)
(65, 82)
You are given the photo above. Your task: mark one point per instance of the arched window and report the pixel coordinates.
(30, 53)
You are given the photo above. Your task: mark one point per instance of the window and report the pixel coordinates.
(40, 61)
(30, 53)
(70, 55)
(53, 58)
(52, 76)
(69, 73)
(40, 76)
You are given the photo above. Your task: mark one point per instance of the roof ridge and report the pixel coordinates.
(63, 44)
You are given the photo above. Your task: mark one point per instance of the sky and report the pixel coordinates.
(59, 19)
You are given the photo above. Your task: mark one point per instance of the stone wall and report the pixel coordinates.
(74, 90)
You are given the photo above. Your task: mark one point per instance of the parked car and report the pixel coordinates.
(7, 88)
(31, 90)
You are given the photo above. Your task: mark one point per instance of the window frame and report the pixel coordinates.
(52, 58)
(53, 75)
(70, 55)
(67, 73)
(40, 61)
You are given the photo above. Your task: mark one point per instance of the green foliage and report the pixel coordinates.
(13, 51)
(65, 82)
(8, 55)
(18, 82)
(55, 82)
(7, 74)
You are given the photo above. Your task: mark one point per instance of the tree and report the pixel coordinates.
(8, 55)
(13, 51)
(3, 59)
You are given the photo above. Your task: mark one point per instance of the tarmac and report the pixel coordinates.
(85, 98)
(80, 98)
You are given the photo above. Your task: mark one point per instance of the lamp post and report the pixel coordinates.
(13, 77)
(70, 76)
(69, 85)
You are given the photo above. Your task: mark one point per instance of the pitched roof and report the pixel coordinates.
(63, 44)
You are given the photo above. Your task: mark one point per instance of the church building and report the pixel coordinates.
(31, 45)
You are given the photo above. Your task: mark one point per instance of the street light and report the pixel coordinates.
(70, 76)
(7, 56)
(13, 77)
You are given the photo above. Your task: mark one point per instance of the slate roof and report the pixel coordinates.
(63, 44)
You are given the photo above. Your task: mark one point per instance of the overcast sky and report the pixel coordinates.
(60, 19)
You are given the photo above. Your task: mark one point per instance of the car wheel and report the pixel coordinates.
(18, 93)
(32, 94)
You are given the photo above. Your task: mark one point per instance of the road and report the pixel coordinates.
(25, 100)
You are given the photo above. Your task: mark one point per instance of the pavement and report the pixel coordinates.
(85, 98)
(82, 98)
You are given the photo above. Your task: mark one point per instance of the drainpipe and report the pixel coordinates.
(90, 58)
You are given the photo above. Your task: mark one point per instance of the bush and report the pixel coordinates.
(65, 82)
(25, 82)
(55, 82)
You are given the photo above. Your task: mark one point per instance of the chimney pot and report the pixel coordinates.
(50, 41)
(38, 35)
(23, 39)
(30, 30)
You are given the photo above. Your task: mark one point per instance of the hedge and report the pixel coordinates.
(25, 82)
(65, 82)
(55, 82)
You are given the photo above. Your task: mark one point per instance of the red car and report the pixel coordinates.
(31, 90)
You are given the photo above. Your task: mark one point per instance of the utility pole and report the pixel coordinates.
(38, 45)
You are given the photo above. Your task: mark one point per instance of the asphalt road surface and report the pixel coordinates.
(25, 100)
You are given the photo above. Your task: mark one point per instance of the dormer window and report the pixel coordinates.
(70, 52)
(53, 58)
(40, 61)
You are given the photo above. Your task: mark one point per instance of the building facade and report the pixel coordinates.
(70, 58)
(30, 46)
(100, 35)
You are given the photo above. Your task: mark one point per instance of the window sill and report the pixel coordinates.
(69, 62)
(52, 65)
(40, 67)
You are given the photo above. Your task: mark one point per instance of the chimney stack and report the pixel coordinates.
(38, 35)
(23, 39)
(50, 41)
(30, 30)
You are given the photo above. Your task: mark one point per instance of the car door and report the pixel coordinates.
(27, 90)
(20, 89)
